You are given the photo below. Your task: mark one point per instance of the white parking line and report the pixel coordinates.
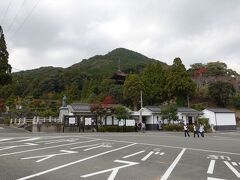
(31, 139)
(5, 139)
(16, 146)
(93, 148)
(210, 178)
(170, 169)
(133, 154)
(48, 156)
(211, 167)
(232, 168)
(30, 150)
(74, 162)
(114, 170)
(80, 147)
(173, 147)
(147, 156)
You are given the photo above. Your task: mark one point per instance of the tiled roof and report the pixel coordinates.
(187, 110)
(220, 110)
(155, 109)
(80, 107)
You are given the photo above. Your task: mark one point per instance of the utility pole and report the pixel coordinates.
(140, 114)
(188, 101)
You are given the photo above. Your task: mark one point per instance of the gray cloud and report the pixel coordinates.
(62, 32)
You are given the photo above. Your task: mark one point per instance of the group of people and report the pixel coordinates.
(140, 127)
(197, 129)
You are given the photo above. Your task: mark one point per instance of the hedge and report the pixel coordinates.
(116, 129)
(173, 127)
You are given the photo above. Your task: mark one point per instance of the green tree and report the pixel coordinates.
(5, 68)
(73, 92)
(236, 100)
(179, 83)
(132, 88)
(169, 112)
(216, 68)
(154, 80)
(221, 92)
(120, 112)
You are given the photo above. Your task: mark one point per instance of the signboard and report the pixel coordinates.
(88, 121)
(121, 123)
(72, 120)
(130, 122)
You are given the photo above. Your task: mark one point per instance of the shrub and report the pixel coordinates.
(130, 129)
(7, 121)
(172, 127)
(116, 129)
(205, 122)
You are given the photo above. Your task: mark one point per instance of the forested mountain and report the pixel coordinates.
(85, 81)
(105, 65)
(40, 91)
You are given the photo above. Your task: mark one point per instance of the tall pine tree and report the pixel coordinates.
(5, 68)
(179, 83)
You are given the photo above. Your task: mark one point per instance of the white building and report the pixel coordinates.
(188, 115)
(151, 116)
(220, 118)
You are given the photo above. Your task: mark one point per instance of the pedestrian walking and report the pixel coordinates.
(195, 130)
(201, 130)
(143, 127)
(159, 125)
(185, 128)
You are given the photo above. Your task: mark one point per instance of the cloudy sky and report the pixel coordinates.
(63, 32)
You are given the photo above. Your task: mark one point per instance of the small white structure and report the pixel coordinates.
(220, 118)
(150, 116)
(188, 115)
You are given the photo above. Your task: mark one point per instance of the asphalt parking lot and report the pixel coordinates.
(120, 156)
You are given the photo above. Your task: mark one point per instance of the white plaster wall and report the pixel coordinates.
(109, 120)
(210, 115)
(149, 119)
(62, 113)
(225, 119)
(182, 117)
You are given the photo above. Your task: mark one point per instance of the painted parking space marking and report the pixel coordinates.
(45, 157)
(234, 163)
(147, 156)
(134, 154)
(113, 170)
(140, 154)
(16, 146)
(210, 178)
(1, 140)
(22, 139)
(173, 147)
(211, 167)
(170, 169)
(221, 159)
(80, 147)
(232, 168)
(104, 145)
(49, 147)
(31, 139)
(74, 162)
(62, 140)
